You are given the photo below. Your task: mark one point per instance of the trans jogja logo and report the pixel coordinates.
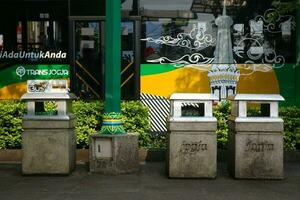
(21, 71)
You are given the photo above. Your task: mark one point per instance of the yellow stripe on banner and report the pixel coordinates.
(191, 80)
(86, 71)
(13, 91)
(95, 93)
(126, 67)
(127, 79)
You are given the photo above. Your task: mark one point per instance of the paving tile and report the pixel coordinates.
(151, 183)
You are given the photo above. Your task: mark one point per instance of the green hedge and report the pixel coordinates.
(290, 115)
(136, 119)
(222, 111)
(291, 137)
(11, 113)
(89, 118)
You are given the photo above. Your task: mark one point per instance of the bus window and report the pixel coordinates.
(19, 36)
(1, 42)
(44, 35)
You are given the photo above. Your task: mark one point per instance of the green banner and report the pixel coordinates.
(21, 73)
(151, 69)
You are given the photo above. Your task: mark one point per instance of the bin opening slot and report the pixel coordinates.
(257, 109)
(192, 110)
(45, 108)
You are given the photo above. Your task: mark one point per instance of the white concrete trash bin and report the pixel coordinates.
(48, 140)
(191, 140)
(256, 137)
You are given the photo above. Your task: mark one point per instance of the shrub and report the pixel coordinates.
(152, 141)
(221, 112)
(135, 115)
(11, 113)
(89, 117)
(290, 115)
(291, 137)
(136, 119)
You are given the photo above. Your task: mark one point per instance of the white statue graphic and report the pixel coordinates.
(223, 74)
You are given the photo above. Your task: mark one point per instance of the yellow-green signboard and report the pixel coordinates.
(13, 78)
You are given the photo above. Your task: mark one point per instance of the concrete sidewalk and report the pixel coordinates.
(150, 183)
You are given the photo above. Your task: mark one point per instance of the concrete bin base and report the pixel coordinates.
(48, 150)
(192, 154)
(256, 154)
(114, 154)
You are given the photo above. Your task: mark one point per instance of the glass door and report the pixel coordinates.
(128, 72)
(88, 60)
